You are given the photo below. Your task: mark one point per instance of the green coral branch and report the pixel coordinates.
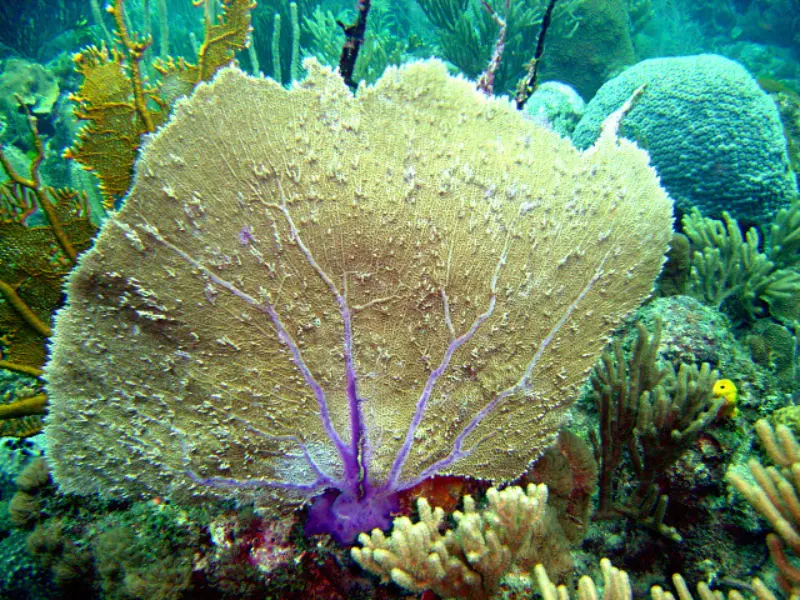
(672, 417)
(380, 50)
(444, 13)
(730, 272)
(784, 237)
(651, 413)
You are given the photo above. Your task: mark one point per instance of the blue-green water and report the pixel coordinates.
(249, 310)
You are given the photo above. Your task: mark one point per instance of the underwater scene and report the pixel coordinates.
(383, 299)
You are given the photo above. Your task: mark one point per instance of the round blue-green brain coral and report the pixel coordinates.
(714, 136)
(557, 106)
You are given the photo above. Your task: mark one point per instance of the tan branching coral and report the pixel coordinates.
(310, 290)
(616, 586)
(756, 589)
(775, 493)
(468, 561)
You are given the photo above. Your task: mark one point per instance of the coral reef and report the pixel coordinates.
(714, 136)
(345, 296)
(319, 305)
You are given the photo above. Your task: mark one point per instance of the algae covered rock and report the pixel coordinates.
(36, 87)
(32, 84)
(308, 291)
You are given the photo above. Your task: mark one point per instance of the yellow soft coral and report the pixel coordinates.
(33, 263)
(120, 108)
(725, 388)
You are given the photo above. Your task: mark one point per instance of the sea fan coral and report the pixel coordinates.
(313, 294)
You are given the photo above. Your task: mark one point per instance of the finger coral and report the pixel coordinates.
(775, 494)
(468, 561)
(311, 294)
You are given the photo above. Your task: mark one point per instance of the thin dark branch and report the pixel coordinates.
(527, 84)
(486, 80)
(354, 38)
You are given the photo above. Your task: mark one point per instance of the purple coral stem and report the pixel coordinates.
(321, 476)
(523, 382)
(320, 484)
(422, 403)
(297, 359)
(356, 471)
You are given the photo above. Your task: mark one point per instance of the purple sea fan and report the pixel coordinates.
(375, 329)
